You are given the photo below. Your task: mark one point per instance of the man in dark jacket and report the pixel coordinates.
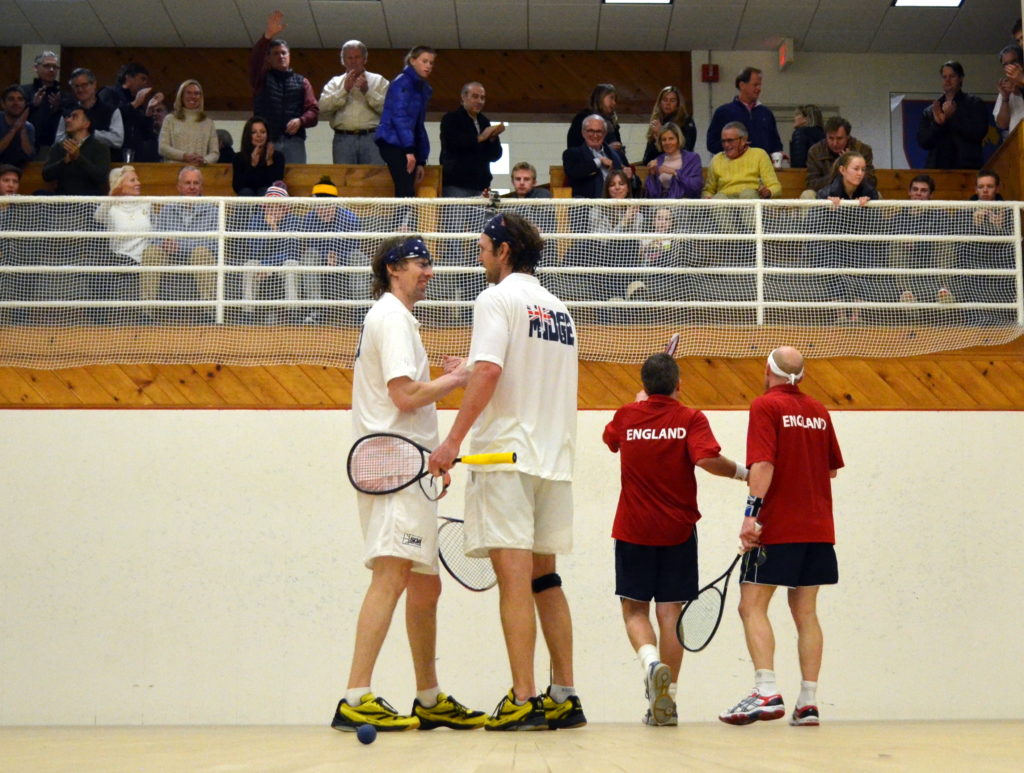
(586, 166)
(469, 143)
(954, 126)
(280, 96)
(44, 98)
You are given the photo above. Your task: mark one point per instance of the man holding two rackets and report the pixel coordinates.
(392, 392)
(521, 397)
(788, 532)
(660, 441)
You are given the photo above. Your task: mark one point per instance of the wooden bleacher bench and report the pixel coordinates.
(951, 184)
(352, 180)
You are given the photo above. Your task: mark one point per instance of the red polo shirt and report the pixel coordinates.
(660, 440)
(795, 433)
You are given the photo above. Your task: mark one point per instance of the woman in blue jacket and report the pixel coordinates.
(402, 133)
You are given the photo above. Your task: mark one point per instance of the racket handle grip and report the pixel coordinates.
(508, 457)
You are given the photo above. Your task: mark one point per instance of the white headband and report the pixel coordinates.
(792, 378)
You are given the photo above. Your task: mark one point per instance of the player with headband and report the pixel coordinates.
(788, 532)
(521, 397)
(392, 392)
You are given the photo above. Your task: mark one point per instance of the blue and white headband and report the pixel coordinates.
(792, 378)
(410, 248)
(496, 229)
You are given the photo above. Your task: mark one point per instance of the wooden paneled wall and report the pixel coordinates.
(517, 82)
(1008, 162)
(983, 378)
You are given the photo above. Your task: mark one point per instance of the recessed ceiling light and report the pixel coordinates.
(927, 3)
(637, 2)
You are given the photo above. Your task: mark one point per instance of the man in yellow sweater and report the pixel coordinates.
(740, 171)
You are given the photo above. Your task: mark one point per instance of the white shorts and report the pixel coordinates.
(509, 509)
(403, 524)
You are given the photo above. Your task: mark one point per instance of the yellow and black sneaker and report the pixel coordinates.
(447, 712)
(564, 715)
(509, 715)
(371, 711)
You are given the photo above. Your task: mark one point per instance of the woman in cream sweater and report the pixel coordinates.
(187, 135)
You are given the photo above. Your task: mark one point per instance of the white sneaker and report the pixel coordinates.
(662, 707)
(754, 707)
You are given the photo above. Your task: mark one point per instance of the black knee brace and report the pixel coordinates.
(546, 581)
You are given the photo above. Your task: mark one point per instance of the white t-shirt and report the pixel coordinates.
(389, 348)
(520, 326)
(1016, 108)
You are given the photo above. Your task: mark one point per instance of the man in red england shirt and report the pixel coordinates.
(660, 441)
(793, 454)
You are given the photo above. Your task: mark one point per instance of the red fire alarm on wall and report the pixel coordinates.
(709, 73)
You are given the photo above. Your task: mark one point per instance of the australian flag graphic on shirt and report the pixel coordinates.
(548, 325)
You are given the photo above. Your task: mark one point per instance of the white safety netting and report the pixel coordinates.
(272, 281)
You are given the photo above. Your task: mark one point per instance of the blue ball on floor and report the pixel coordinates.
(366, 733)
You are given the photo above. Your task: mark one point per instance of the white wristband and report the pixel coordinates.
(741, 472)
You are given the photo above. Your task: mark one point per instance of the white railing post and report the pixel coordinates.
(221, 295)
(759, 258)
(1018, 262)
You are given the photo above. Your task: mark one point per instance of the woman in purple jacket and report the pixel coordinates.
(676, 173)
(402, 133)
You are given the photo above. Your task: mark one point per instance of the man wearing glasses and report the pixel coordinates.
(740, 171)
(43, 97)
(588, 164)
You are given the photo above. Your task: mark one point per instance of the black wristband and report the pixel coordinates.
(753, 506)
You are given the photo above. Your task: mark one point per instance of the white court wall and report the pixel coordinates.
(202, 567)
(858, 84)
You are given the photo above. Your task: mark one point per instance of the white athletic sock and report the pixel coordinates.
(765, 682)
(808, 694)
(672, 691)
(354, 696)
(647, 654)
(560, 693)
(428, 697)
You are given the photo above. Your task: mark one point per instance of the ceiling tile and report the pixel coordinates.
(339, 22)
(134, 23)
(912, 30)
(766, 22)
(496, 25)
(633, 27)
(422, 22)
(550, 28)
(69, 22)
(704, 24)
(203, 24)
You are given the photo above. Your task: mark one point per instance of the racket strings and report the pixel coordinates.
(474, 573)
(700, 618)
(384, 463)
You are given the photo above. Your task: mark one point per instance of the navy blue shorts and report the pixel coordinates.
(665, 573)
(792, 565)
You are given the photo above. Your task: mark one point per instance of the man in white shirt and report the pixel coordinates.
(392, 392)
(521, 397)
(351, 102)
(1009, 107)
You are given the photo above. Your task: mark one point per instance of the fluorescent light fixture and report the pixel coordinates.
(927, 3)
(637, 2)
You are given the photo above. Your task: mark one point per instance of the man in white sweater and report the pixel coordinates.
(351, 102)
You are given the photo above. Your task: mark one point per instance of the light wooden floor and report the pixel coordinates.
(849, 746)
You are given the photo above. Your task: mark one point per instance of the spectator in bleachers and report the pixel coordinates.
(17, 134)
(954, 126)
(121, 213)
(271, 215)
(329, 217)
(257, 164)
(740, 171)
(284, 98)
(616, 219)
(746, 108)
(849, 181)
(44, 98)
(469, 144)
(586, 166)
(131, 96)
(823, 154)
(402, 133)
(188, 135)
(10, 179)
(985, 221)
(106, 122)
(669, 107)
(603, 100)
(807, 131)
(79, 163)
(676, 173)
(921, 188)
(352, 103)
(190, 216)
(1009, 107)
(524, 183)
(920, 221)
(226, 147)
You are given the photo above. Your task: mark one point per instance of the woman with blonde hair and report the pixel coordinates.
(807, 130)
(188, 136)
(669, 107)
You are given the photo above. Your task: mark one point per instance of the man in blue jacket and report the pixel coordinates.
(748, 110)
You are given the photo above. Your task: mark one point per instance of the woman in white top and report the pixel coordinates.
(188, 136)
(124, 212)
